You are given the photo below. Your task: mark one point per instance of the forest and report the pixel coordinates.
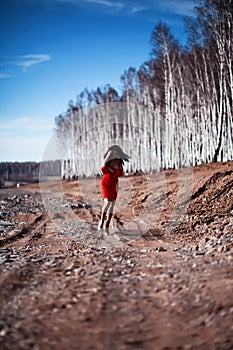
(12, 173)
(174, 111)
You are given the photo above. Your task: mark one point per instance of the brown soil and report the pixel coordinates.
(162, 278)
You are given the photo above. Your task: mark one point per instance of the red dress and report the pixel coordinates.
(109, 182)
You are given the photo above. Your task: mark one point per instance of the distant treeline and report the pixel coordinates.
(28, 171)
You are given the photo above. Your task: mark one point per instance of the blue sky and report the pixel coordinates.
(50, 50)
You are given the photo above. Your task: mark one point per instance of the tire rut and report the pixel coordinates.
(23, 231)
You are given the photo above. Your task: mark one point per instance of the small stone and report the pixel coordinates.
(200, 253)
(162, 249)
(3, 332)
(220, 249)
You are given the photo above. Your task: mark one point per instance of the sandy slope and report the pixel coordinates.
(162, 279)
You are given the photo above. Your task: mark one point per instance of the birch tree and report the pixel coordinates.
(164, 49)
(215, 18)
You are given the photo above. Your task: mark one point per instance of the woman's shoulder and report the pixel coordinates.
(106, 170)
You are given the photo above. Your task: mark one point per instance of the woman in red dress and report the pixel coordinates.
(113, 168)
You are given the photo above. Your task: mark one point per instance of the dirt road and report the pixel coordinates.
(162, 279)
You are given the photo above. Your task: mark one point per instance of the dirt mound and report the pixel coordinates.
(211, 209)
(162, 279)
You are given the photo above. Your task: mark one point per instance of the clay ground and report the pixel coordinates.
(162, 278)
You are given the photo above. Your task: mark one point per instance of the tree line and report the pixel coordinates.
(18, 172)
(174, 111)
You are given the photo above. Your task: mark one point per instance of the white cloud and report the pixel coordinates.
(24, 139)
(23, 148)
(6, 75)
(25, 62)
(129, 7)
(107, 3)
(26, 124)
(183, 8)
(138, 8)
(28, 61)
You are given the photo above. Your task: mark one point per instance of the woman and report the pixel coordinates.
(112, 170)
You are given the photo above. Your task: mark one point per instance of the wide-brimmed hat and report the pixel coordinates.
(114, 152)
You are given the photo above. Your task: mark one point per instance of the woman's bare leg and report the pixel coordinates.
(104, 211)
(109, 214)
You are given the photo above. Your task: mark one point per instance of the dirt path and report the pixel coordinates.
(169, 287)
